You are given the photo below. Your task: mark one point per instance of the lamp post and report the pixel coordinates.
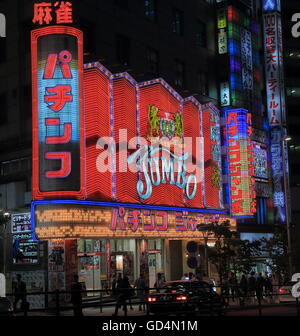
(4, 219)
(206, 230)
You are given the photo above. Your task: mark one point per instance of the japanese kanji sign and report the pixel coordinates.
(246, 56)
(277, 159)
(240, 163)
(274, 69)
(57, 118)
(56, 13)
(225, 94)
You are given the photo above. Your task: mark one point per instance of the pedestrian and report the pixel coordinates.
(232, 282)
(268, 286)
(159, 282)
(140, 285)
(185, 276)
(225, 289)
(76, 296)
(243, 289)
(114, 285)
(20, 293)
(259, 287)
(191, 276)
(122, 295)
(252, 286)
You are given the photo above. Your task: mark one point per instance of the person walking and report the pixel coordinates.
(243, 285)
(76, 296)
(232, 282)
(252, 286)
(140, 285)
(267, 286)
(225, 290)
(159, 282)
(20, 293)
(259, 287)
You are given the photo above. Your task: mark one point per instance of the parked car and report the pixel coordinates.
(6, 308)
(285, 292)
(185, 297)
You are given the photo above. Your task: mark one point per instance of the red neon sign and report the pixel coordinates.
(241, 163)
(58, 142)
(43, 12)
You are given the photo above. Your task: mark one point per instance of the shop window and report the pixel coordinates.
(177, 21)
(123, 49)
(150, 10)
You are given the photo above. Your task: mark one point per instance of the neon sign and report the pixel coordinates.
(271, 5)
(57, 117)
(91, 219)
(43, 12)
(150, 161)
(274, 69)
(241, 163)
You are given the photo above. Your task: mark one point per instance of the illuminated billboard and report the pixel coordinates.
(144, 143)
(274, 69)
(87, 219)
(240, 163)
(58, 148)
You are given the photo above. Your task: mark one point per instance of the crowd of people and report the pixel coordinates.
(250, 287)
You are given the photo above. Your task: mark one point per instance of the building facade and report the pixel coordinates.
(209, 54)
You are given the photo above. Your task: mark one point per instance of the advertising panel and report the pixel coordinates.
(58, 151)
(84, 219)
(274, 69)
(241, 163)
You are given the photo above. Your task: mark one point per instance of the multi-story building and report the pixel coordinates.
(209, 50)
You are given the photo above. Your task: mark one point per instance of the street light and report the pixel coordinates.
(206, 230)
(4, 220)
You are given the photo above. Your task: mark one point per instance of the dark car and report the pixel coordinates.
(6, 308)
(185, 297)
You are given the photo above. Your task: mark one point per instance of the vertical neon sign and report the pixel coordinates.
(241, 162)
(58, 149)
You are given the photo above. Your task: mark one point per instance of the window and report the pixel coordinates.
(3, 108)
(150, 10)
(202, 83)
(201, 39)
(177, 21)
(179, 74)
(153, 61)
(123, 49)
